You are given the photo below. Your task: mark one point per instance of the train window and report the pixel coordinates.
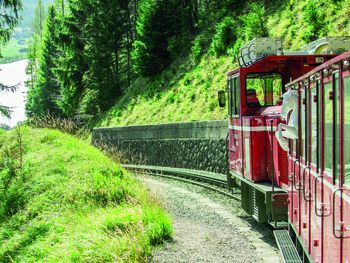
(328, 129)
(230, 97)
(347, 130)
(302, 124)
(306, 124)
(263, 89)
(236, 95)
(336, 127)
(319, 123)
(314, 126)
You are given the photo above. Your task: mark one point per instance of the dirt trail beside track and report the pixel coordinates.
(209, 227)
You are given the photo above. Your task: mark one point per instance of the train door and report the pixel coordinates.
(235, 131)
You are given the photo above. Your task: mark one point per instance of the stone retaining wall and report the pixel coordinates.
(194, 145)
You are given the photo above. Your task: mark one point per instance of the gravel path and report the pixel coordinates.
(209, 227)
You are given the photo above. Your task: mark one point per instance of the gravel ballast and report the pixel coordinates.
(209, 227)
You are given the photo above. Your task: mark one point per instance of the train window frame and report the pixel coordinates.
(328, 170)
(346, 154)
(236, 96)
(336, 127)
(263, 73)
(302, 126)
(230, 96)
(318, 124)
(314, 127)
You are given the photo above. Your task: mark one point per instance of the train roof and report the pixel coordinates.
(276, 59)
(344, 56)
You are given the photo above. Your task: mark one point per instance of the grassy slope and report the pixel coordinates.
(188, 90)
(69, 202)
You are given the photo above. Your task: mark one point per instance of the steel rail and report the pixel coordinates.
(187, 177)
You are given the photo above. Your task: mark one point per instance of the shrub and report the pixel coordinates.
(225, 36)
(255, 22)
(199, 46)
(314, 22)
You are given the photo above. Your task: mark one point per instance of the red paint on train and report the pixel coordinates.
(312, 180)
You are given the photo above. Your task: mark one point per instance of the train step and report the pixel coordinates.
(286, 246)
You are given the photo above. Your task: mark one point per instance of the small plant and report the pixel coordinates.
(66, 125)
(255, 22)
(314, 22)
(225, 36)
(199, 46)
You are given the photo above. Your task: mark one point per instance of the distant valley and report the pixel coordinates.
(17, 48)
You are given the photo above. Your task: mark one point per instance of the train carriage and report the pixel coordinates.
(319, 161)
(294, 171)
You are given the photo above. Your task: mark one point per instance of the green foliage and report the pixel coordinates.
(134, 60)
(42, 97)
(8, 21)
(314, 21)
(255, 22)
(199, 46)
(225, 36)
(68, 202)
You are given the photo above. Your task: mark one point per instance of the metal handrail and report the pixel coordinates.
(309, 192)
(341, 228)
(295, 183)
(323, 208)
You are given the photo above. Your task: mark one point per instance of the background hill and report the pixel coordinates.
(187, 91)
(157, 61)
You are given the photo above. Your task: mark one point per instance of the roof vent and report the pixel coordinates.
(257, 49)
(328, 45)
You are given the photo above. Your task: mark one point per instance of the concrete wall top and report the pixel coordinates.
(183, 130)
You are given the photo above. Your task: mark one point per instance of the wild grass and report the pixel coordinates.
(67, 202)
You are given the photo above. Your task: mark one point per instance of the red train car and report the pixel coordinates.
(319, 162)
(305, 188)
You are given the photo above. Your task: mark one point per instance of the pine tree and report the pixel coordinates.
(71, 64)
(43, 96)
(34, 43)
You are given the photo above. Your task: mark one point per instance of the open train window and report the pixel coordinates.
(336, 127)
(347, 131)
(230, 96)
(328, 129)
(234, 96)
(315, 124)
(263, 89)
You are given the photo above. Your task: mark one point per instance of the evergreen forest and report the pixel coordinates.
(123, 62)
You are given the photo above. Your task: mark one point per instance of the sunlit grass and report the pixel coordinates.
(70, 203)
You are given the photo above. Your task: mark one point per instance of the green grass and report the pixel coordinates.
(188, 90)
(13, 50)
(67, 202)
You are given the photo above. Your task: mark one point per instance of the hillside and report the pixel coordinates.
(188, 90)
(61, 200)
(156, 61)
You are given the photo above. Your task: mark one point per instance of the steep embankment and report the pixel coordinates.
(63, 200)
(188, 90)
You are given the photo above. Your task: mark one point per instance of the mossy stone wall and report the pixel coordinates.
(194, 145)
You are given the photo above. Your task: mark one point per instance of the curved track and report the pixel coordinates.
(213, 181)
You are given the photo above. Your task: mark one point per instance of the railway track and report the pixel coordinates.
(209, 180)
